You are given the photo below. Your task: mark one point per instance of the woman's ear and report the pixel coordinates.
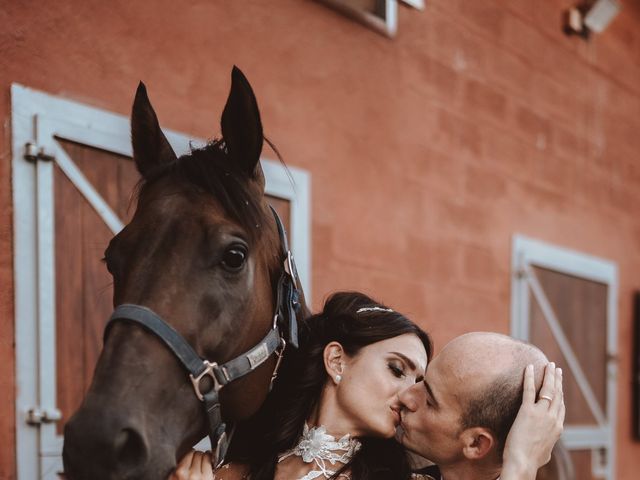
(477, 443)
(334, 361)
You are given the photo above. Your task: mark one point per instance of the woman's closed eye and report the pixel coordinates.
(396, 370)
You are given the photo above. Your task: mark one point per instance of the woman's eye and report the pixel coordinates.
(234, 258)
(397, 371)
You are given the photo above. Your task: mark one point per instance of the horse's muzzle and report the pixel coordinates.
(98, 446)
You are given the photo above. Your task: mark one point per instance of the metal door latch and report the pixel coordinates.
(32, 153)
(37, 415)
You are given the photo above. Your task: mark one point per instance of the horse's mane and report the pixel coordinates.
(213, 170)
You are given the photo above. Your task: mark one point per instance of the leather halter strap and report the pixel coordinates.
(198, 368)
(285, 319)
(220, 375)
(287, 293)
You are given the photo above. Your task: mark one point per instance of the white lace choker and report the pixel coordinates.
(317, 446)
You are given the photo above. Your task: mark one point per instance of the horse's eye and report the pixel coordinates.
(234, 258)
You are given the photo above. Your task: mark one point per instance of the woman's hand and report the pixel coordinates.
(194, 466)
(537, 427)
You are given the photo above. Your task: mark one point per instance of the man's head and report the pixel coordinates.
(469, 398)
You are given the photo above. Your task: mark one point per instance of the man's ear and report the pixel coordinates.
(334, 361)
(477, 443)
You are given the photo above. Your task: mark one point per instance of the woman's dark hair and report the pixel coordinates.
(278, 425)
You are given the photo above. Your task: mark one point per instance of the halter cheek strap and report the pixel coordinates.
(220, 375)
(288, 296)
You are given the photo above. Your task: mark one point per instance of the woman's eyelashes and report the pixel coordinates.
(396, 370)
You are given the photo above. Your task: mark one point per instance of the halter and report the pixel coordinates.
(285, 325)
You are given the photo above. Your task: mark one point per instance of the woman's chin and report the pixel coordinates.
(390, 431)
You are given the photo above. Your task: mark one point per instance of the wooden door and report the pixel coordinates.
(564, 303)
(580, 306)
(82, 284)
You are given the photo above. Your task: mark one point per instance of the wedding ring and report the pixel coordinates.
(546, 397)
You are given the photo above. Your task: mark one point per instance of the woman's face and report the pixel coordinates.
(368, 393)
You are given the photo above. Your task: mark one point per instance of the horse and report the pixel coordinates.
(202, 271)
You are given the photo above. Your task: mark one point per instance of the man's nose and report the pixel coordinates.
(408, 398)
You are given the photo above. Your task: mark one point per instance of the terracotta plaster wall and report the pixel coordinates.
(427, 152)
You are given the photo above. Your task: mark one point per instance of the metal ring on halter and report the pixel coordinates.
(546, 397)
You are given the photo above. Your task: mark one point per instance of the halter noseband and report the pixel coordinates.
(285, 325)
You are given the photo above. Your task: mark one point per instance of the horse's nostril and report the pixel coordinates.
(130, 449)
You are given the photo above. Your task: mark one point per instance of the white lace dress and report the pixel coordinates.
(324, 453)
(322, 450)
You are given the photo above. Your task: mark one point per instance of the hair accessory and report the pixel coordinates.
(318, 447)
(373, 309)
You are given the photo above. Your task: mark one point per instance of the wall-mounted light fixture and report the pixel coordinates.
(590, 16)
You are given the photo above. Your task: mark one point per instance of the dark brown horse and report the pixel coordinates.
(203, 252)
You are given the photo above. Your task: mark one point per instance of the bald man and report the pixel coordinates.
(460, 415)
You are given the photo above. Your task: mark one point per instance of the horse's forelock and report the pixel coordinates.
(212, 170)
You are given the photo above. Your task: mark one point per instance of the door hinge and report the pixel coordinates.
(32, 153)
(37, 415)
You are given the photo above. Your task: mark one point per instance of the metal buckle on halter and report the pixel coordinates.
(290, 266)
(208, 371)
(220, 450)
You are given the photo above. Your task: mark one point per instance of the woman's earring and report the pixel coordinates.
(338, 378)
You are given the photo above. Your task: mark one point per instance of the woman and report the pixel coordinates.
(334, 409)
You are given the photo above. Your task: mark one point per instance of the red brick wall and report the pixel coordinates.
(427, 152)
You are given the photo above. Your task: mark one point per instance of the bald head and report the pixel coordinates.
(482, 357)
(490, 368)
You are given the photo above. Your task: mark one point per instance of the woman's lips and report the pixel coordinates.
(397, 417)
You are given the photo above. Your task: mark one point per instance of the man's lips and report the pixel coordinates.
(401, 431)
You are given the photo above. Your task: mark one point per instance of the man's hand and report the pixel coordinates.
(537, 427)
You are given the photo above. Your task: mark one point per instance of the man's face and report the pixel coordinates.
(430, 423)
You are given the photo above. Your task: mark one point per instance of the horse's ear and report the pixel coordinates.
(241, 126)
(151, 148)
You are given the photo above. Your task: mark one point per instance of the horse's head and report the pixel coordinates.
(203, 252)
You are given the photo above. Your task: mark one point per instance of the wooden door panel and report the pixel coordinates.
(97, 288)
(581, 460)
(83, 285)
(113, 176)
(580, 306)
(70, 386)
(578, 411)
